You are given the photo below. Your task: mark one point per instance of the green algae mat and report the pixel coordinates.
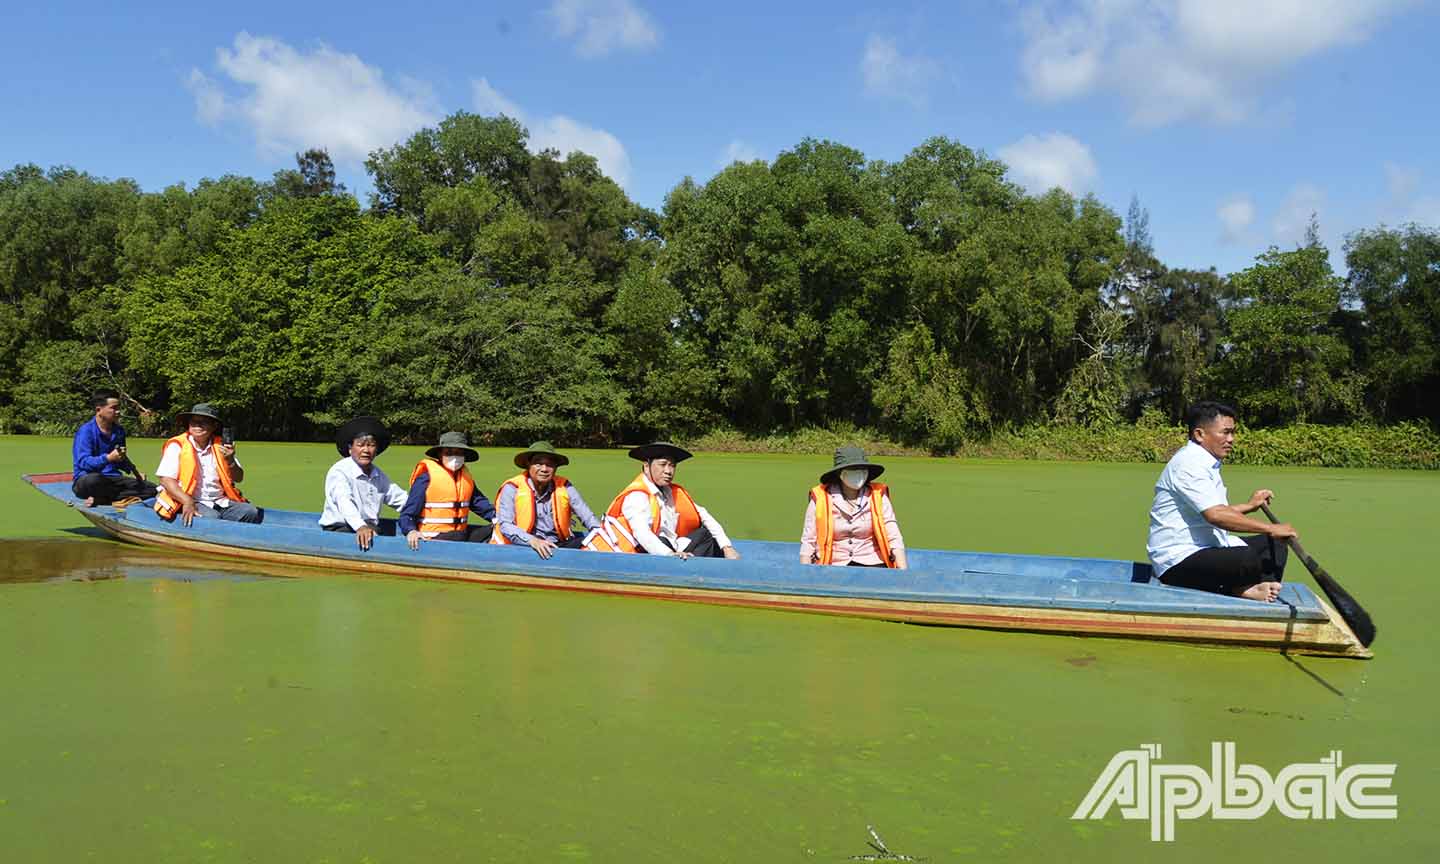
(163, 709)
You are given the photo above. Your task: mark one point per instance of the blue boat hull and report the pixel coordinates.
(1082, 596)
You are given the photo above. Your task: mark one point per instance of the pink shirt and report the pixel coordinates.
(854, 529)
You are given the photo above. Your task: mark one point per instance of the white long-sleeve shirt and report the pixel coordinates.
(1189, 485)
(636, 508)
(354, 497)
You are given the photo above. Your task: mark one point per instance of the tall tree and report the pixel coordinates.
(1286, 360)
(312, 176)
(1185, 326)
(256, 326)
(1395, 278)
(61, 253)
(792, 277)
(463, 146)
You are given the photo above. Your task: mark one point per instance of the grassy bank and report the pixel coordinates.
(1306, 445)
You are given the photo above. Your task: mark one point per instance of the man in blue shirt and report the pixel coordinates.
(99, 459)
(1191, 518)
(443, 495)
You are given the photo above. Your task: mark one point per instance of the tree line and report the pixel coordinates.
(520, 295)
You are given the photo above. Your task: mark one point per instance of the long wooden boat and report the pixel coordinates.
(1048, 594)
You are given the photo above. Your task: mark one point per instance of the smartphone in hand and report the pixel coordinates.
(227, 436)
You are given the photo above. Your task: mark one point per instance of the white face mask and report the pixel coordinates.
(854, 477)
(454, 463)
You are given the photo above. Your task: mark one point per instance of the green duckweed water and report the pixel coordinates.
(154, 708)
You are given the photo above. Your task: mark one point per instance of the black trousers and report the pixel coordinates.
(701, 544)
(109, 488)
(472, 534)
(385, 529)
(1224, 570)
(468, 534)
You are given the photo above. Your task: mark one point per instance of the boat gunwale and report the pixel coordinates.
(1327, 636)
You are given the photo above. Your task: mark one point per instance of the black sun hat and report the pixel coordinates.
(660, 450)
(851, 457)
(358, 428)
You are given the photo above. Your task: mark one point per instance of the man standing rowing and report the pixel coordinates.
(1191, 517)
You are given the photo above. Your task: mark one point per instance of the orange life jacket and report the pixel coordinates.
(615, 534)
(447, 498)
(525, 506)
(825, 524)
(189, 479)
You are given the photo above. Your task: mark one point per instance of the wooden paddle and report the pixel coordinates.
(1353, 613)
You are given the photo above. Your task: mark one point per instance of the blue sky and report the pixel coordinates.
(1232, 120)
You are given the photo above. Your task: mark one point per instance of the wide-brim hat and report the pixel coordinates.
(851, 457)
(453, 441)
(359, 427)
(660, 450)
(522, 459)
(201, 409)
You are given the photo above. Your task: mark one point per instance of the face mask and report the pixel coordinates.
(454, 463)
(854, 477)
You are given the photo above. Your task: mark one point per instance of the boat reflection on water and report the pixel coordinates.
(93, 557)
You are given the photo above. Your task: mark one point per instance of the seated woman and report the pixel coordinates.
(849, 520)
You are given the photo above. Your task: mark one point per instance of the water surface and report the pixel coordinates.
(158, 708)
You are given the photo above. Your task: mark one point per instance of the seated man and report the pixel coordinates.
(198, 473)
(657, 516)
(442, 494)
(1192, 516)
(99, 458)
(355, 486)
(536, 507)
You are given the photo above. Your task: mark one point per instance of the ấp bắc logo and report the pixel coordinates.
(1145, 788)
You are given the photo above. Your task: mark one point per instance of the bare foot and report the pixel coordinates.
(90, 502)
(1266, 591)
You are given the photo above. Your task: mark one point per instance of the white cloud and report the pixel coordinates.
(1172, 60)
(1426, 211)
(1405, 203)
(600, 27)
(891, 74)
(488, 100)
(1040, 163)
(1401, 182)
(1236, 215)
(558, 132)
(209, 98)
(737, 151)
(1303, 201)
(324, 98)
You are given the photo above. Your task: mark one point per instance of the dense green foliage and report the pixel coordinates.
(520, 295)
(1404, 445)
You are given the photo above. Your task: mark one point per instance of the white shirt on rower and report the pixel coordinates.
(1189, 485)
(636, 508)
(210, 491)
